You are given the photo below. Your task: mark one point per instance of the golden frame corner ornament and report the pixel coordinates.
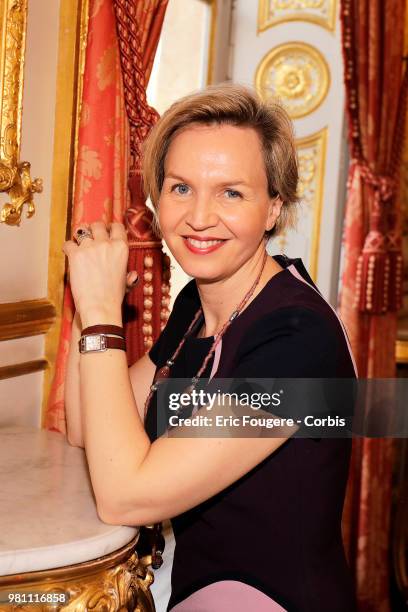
(15, 178)
(302, 10)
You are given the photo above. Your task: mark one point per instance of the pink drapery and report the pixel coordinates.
(372, 35)
(101, 167)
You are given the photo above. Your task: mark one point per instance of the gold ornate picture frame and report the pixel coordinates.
(15, 178)
(32, 317)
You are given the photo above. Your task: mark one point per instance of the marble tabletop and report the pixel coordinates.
(48, 513)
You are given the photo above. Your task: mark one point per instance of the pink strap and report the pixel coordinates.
(217, 357)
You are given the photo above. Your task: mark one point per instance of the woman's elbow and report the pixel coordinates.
(137, 516)
(75, 441)
(116, 518)
(108, 517)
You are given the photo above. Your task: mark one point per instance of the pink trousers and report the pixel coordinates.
(228, 596)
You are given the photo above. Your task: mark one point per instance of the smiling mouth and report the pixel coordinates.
(203, 244)
(196, 244)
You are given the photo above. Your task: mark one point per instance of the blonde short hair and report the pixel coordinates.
(231, 104)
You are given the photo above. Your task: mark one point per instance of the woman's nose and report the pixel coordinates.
(202, 214)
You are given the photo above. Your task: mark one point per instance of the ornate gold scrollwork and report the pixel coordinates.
(15, 178)
(116, 582)
(320, 12)
(21, 192)
(115, 589)
(144, 579)
(298, 74)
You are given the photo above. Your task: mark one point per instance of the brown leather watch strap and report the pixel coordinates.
(104, 329)
(95, 343)
(117, 343)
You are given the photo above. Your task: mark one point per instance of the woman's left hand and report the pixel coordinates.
(98, 268)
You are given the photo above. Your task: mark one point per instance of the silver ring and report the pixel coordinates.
(82, 233)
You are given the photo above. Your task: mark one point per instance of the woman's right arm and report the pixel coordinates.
(141, 375)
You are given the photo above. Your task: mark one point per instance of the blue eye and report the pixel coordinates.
(234, 194)
(180, 188)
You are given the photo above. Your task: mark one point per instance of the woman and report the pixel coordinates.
(256, 518)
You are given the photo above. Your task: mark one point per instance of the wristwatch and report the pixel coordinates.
(96, 343)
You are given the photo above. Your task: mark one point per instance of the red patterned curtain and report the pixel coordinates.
(139, 24)
(101, 171)
(376, 91)
(114, 120)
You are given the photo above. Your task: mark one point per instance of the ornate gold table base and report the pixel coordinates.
(114, 582)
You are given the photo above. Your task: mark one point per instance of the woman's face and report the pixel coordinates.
(214, 206)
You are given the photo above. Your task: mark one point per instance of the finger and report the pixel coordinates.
(99, 231)
(69, 247)
(118, 231)
(132, 277)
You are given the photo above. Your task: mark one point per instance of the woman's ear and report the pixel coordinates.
(275, 205)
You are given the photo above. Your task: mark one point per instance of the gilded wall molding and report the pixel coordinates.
(20, 369)
(401, 351)
(73, 30)
(320, 12)
(211, 40)
(296, 73)
(312, 162)
(76, 85)
(15, 177)
(27, 318)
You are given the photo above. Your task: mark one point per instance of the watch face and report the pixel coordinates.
(93, 343)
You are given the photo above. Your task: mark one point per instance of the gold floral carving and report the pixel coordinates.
(320, 12)
(15, 178)
(298, 74)
(116, 583)
(312, 161)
